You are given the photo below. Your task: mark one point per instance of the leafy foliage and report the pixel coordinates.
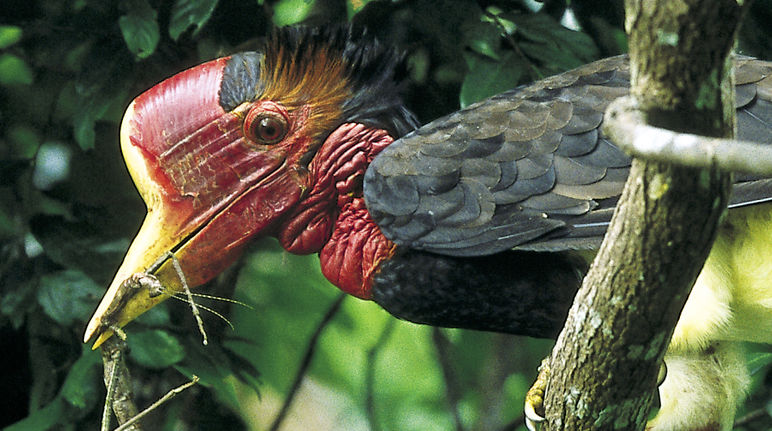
(140, 28)
(189, 13)
(68, 210)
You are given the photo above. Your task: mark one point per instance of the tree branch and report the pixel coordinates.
(624, 124)
(452, 390)
(372, 358)
(306, 361)
(605, 363)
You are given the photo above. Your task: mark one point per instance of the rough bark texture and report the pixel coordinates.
(605, 363)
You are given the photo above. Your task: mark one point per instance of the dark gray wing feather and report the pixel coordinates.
(529, 168)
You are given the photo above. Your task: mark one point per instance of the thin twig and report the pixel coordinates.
(452, 391)
(370, 374)
(624, 124)
(107, 411)
(532, 69)
(118, 382)
(193, 306)
(306, 361)
(169, 395)
(751, 417)
(158, 262)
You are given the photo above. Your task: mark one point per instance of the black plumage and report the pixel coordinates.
(500, 293)
(527, 169)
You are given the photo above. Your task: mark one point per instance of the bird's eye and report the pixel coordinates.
(265, 127)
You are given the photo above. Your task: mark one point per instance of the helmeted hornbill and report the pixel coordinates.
(480, 219)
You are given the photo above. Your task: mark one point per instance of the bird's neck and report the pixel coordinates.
(332, 218)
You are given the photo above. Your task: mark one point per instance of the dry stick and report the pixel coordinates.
(169, 395)
(370, 374)
(114, 358)
(193, 306)
(306, 361)
(118, 382)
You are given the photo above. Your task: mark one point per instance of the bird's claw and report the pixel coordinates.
(532, 419)
(534, 398)
(662, 374)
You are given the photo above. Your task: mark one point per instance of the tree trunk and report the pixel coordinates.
(605, 363)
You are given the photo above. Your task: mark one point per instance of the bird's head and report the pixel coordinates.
(231, 150)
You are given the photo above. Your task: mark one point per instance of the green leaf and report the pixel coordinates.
(289, 12)
(419, 63)
(41, 203)
(242, 367)
(213, 367)
(155, 348)
(156, 316)
(758, 361)
(484, 38)
(85, 119)
(9, 35)
(16, 303)
(140, 29)
(487, 77)
(68, 296)
(83, 129)
(554, 46)
(613, 39)
(354, 6)
(24, 140)
(80, 245)
(82, 386)
(14, 71)
(189, 12)
(77, 57)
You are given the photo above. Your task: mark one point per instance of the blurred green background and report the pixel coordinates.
(68, 211)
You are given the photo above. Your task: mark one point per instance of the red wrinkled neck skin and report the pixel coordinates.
(332, 219)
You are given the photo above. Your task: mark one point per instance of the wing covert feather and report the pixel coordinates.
(529, 168)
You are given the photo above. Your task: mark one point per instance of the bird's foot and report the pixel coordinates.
(534, 398)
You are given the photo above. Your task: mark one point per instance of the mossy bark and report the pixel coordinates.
(605, 363)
